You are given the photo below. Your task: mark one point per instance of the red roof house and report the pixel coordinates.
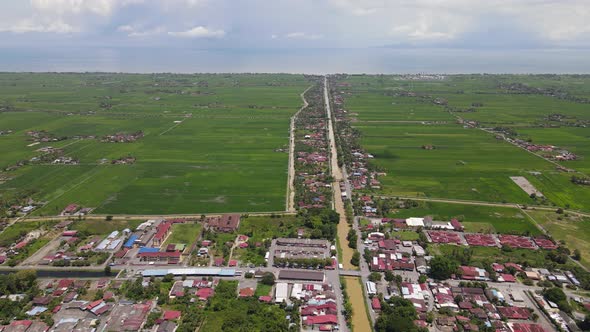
(171, 315)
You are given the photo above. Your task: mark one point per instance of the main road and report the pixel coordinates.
(357, 298)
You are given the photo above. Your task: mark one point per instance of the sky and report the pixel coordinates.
(362, 36)
(499, 25)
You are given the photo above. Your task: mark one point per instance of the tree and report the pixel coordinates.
(422, 278)
(557, 296)
(398, 316)
(356, 258)
(442, 268)
(268, 279)
(375, 276)
(107, 270)
(577, 254)
(389, 276)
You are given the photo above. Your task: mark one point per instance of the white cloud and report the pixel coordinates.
(99, 7)
(135, 31)
(303, 35)
(27, 25)
(198, 32)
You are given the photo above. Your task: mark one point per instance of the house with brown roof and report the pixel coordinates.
(227, 223)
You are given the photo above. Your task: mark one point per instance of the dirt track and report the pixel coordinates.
(290, 187)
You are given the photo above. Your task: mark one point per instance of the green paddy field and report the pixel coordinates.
(209, 141)
(397, 116)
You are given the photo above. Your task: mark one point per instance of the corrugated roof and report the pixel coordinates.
(189, 271)
(131, 241)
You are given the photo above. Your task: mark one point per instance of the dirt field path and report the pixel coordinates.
(360, 323)
(290, 187)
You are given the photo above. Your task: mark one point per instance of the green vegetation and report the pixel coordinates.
(16, 231)
(225, 312)
(262, 290)
(442, 267)
(570, 229)
(475, 218)
(397, 316)
(184, 233)
(260, 228)
(397, 117)
(21, 282)
(211, 143)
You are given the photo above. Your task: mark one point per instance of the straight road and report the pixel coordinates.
(354, 285)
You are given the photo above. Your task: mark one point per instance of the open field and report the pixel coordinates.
(397, 117)
(573, 230)
(184, 234)
(479, 255)
(16, 231)
(209, 141)
(475, 218)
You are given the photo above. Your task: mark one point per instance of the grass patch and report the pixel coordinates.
(262, 290)
(19, 229)
(405, 235)
(479, 255)
(475, 218)
(571, 229)
(184, 233)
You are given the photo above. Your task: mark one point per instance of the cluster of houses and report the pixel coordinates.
(313, 190)
(548, 151)
(128, 160)
(359, 173)
(123, 137)
(317, 300)
(43, 136)
(71, 311)
(470, 308)
(28, 206)
(75, 210)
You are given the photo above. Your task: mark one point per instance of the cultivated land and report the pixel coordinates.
(209, 141)
(397, 117)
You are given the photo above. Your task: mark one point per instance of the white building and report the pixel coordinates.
(415, 222)
(281, 292)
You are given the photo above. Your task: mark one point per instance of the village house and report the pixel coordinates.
(227, 223)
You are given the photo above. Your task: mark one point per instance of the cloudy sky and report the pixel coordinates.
(297, 23)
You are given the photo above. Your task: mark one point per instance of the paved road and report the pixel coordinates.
(142, 216)
(339, 176)
(338, 205)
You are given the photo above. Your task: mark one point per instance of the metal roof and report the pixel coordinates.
(189, 271)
